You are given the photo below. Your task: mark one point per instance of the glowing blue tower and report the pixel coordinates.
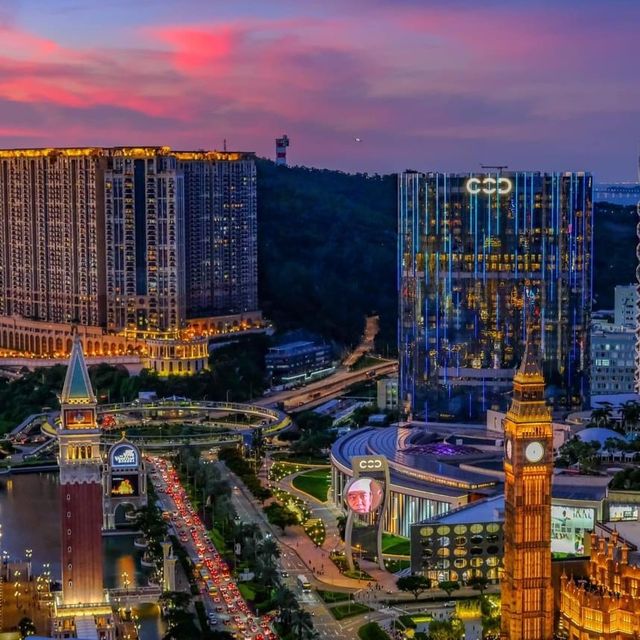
(479, 257)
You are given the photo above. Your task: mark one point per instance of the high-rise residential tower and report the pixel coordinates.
(221, 235)
(479, 258)
(130, 244)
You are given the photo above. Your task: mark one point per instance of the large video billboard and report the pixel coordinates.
(364, 495)
(623, 512)
(569, 528)
(124, 485)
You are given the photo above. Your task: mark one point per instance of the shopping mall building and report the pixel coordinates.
(439, 478)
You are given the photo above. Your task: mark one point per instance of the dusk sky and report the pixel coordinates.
(425, 84)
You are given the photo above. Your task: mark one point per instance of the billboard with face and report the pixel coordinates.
(364, 495)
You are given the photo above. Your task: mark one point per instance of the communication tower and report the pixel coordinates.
(281, 150)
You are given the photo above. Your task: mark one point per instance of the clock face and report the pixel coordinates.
(509, 449)
(534, 452)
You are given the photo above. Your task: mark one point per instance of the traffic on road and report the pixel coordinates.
(225, 606)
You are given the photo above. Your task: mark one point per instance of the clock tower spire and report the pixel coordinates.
(527, 592)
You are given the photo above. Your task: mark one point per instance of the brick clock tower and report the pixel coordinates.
(80, 486)
(527, 592)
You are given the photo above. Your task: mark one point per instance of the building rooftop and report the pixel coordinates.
(291, 347)
(488, 510)
(77, 385)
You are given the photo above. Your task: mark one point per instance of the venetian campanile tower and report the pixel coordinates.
(527, 592)
(80, 486)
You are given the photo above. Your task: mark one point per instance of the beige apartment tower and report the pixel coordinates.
(109, 240)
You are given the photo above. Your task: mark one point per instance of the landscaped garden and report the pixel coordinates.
(316, 483)
(348, 609)
(395, 545)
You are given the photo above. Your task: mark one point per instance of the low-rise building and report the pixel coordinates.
(612, 358)
(387, 394)
(604, 604)
(468, 541)
(464, 543)
(298, 361)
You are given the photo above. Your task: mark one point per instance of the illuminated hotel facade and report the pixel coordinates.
(135, 242)
(479, 257)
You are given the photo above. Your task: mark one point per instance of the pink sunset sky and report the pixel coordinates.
(430, 85)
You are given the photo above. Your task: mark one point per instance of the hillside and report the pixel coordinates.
(327, 250)
(615, 243)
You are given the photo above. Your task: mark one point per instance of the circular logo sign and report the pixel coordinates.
(124, 455)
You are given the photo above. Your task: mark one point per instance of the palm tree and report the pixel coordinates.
(267, 572)
(269, 547)
(602, 415)
(286, 602)
(630, 412)
(302, 624)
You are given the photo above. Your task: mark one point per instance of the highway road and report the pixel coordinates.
(318, 392)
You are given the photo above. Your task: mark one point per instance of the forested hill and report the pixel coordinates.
(327, 250)
(615, 243)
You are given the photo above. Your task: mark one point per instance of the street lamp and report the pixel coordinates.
(28, 553)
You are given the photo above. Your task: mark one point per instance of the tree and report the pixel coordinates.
(269, 548)
(174, 600)
(26, 627)
(479, 583)
(414, 584)
(286, 602)
(602, 415)
(449, 586)
(302, 624)
(630, 412)
(444, 630)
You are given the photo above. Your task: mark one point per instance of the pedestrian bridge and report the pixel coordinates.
(138, 595)
(272, 420)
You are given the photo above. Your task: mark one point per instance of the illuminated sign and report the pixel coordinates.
(569, 528)
(623, 512)
(370, 464)
(488, 186)
(124, 455)
(364, 495)
(124, 486)
(78, 418)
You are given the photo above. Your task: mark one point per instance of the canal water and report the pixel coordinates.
(30, 515)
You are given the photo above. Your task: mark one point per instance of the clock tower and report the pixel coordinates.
(527, 592)
(80, 486)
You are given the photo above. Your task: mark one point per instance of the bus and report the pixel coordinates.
(303, 583)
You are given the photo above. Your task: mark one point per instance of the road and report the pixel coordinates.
(220, 595)
(318, 392)
(291, 564)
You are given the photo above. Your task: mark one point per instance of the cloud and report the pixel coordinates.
(423, 83)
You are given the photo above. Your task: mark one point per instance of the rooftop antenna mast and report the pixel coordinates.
(497, 167)
(225, 144)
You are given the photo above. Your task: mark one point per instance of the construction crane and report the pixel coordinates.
(497, 167)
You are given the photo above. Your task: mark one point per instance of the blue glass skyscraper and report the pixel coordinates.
(480, 257)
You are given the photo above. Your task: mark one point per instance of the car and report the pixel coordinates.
(284, 574)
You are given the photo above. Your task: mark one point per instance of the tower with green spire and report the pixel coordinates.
(80, 486)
